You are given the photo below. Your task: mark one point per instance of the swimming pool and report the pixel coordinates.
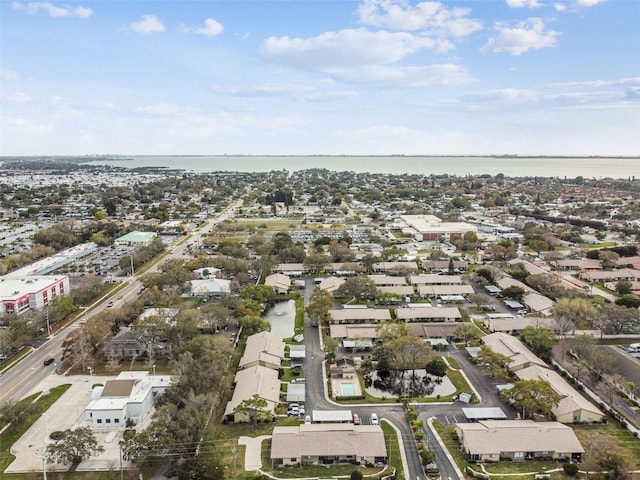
(348, 389)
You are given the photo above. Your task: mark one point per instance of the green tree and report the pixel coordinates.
(409, 352)
(466, 332)
(15, 413)
(437, 367)
(513, 292)
(360, 288)
(356, 475)
(532, 396)
(321, 302)
(74, 446)
(258, 293)
(541, 340)
(568, 312)
(316, 262)
(623, 286)
(254, 409)
(252, 324)
(494, 363)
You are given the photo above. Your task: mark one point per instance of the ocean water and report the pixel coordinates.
(570, 167)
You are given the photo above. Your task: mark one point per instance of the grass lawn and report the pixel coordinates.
(611, 433)
(14, 432)
(598, 245)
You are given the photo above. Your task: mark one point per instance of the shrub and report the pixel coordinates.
(128, 433)
(356, 475)
(571, 469)
(57, 435)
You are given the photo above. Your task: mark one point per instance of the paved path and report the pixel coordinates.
(253, 452)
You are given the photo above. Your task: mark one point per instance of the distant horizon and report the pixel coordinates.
(426, 155)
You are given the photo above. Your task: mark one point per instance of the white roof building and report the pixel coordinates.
(128, 397)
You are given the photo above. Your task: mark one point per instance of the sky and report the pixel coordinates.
(370, 77)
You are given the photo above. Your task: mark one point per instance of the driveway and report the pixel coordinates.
(66, 413)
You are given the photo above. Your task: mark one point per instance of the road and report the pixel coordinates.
(22, 378)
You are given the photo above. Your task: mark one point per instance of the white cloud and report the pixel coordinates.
(524, 3)
(589, 3)
(148, 24)
(431, 17)
(385, 76)
(54, 11)
(16, 97)
(294, 91)
(524, 36)
(7, 75)
(211, 28)
(162, 109)
(623, 82)
(27, 126)
(560, 7)
(344, 49)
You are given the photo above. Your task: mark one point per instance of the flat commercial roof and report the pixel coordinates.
(484, 413)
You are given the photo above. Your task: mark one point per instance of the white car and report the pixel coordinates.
(307, 420)
(374, 419)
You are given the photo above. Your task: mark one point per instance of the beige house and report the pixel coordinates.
(328, 444)
(265, 349)
(428, 314)
(435, 279)
(496, 440)
(573, 407)
(331, 284)
(435, 291)
(515, 325)
(512, 348)
(387, 281)
(256, 380)
(281, 283)
(359, 315)
(393, 267)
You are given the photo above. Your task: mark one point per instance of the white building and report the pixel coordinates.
(129, 397)
(19, 294)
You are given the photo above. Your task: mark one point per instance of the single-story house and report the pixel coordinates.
(434, 330)
(388, 281)
(435, 291)
(403, 290)
(496, 440)
(512, 348)
(428, 314)
(281, 283)
(290, 269)
(256, 380)
(515, 325)
(211, 287)
(443, 265)
(538, 304)
(359, 315)
(392, 267)
(434, 279)
(573, 407)
(327, 444)
(124, 345)
(266, 349)
(331, 284)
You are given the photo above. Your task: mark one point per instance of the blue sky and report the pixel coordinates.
(527, 77)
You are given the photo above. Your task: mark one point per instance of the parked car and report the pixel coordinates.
(356, 419)
(374, 419)
(110, 304)
(49, 361)
(307, 420)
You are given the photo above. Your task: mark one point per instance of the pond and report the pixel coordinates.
(412, 383)
(282, 317)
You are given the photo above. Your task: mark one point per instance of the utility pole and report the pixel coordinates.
(233, 450)
(132, 271)
(121, 472)
(586, 476)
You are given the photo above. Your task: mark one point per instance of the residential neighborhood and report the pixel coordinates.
(316, 323)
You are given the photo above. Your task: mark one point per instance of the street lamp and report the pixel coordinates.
(132, 271)
(154, 369)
